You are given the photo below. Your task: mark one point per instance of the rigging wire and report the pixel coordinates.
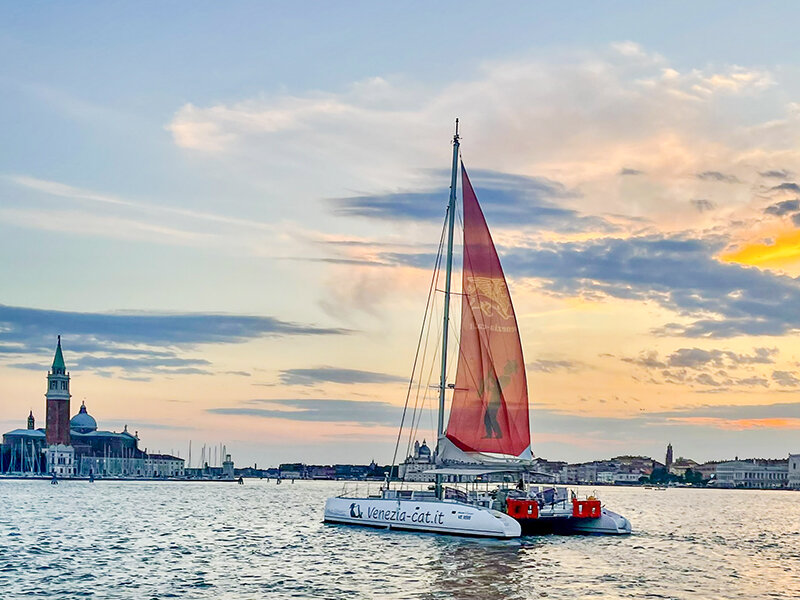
(426, 388)
(419, 342)
(419, 406)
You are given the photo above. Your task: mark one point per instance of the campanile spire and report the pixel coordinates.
(57, 421)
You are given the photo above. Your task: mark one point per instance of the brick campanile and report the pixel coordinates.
(57, 423)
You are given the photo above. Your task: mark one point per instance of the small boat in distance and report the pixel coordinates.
(488, 431)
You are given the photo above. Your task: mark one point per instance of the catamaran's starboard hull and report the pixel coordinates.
(608, 523)
(448, 518)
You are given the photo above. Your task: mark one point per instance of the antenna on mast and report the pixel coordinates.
(455, 137)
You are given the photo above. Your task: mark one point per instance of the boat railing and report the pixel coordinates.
(359, 489)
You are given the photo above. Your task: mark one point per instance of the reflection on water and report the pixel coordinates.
(219, 540)
(480, 569)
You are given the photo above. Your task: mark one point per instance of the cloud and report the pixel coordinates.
(785, 378)
(707, 432)
(551, 366)
(629, 171)
(133, 341)
(98, 213)
(318, 410)
(648, 360)
(678, 273)
(695, 358)
(780, 209)
(505, 198)
(786, 187)
(776, 173)
(717, 176)
(581, 114)
(739, 424)
(383, 413)
(317, 375)
(696, 366)
(702, 205)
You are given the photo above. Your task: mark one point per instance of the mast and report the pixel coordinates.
(451, 216)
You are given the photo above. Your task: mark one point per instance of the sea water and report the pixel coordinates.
(220, 540)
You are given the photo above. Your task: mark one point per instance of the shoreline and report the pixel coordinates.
(235, 480)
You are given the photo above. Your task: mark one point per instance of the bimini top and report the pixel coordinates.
(83, 422)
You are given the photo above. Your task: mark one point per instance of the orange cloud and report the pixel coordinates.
(739, 424)
(783, 253)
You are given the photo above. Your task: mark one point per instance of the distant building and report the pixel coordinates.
(22, 450)
(293, 471)
(413, 468)
(163, 465)
(548, 471)
(668, 459)
(680, 466)
(75, 447)
(707, 470)
(754, 473)
(321, 472)
(794, 471)
(227, 467)
(60, 456)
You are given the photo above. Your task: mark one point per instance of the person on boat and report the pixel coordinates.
(521, 484)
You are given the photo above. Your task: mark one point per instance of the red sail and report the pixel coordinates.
(490, 403)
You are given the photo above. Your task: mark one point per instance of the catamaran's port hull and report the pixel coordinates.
(608, 523)
(441, 517)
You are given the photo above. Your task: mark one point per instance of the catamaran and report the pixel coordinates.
(488, 432)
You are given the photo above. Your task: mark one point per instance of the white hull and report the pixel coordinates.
(432, 516)
(608, 523)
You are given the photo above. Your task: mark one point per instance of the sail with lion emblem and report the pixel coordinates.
(489, 414)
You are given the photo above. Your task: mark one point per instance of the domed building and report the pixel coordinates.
(423, 452)
(70, 447)
(414, 467)
(83, 422)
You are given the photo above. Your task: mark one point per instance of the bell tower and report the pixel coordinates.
(57, 421)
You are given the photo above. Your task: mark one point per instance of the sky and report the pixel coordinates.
(230, 212)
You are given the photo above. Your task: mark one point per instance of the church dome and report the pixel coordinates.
(83, 422)
(424, 451)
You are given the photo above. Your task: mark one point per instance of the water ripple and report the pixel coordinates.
(134, 540)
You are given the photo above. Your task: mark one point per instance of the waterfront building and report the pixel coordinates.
(707, 470)
(22, 450)
(668, 459)
(227, 467)
(76, 447)
(754, 473)
(293, 471)
(794, 471)
(413, 467)
(548, 471)
(680, 466)
(60, 455)
(322, 472)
